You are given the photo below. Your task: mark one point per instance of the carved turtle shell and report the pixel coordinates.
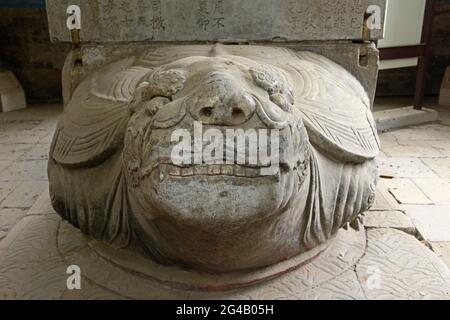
(94, 122)
(334, 105)
(336, 109)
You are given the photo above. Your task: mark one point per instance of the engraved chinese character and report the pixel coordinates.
(219, 23)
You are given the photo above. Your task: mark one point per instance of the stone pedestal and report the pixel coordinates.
(12, 96)
(374, 263)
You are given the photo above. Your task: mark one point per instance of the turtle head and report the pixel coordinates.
(214, 144)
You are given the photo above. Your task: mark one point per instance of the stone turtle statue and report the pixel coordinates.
(112, 173)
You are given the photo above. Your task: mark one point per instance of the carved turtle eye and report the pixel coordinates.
(164, 84)
(275, 85)
(267, 80)
(157, 90)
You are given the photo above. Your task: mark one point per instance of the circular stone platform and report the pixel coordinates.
(369, 264)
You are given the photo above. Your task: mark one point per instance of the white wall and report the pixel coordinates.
(404, 22)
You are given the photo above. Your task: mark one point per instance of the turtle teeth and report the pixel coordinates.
(187, 172)
(175, 171)
(165, 170)
(227, 170)
(201, 170)
(252, 172)
(162, 173)
(216, 169)
(210, 170)
(239, 171)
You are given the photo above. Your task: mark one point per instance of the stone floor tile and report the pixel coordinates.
(430, 132)
(440, 166)
(442, 249)
(9, 126)
(4, 164)
(441, 143)
(433, 222)
(384, 201)
(403, 167)
(20, 136)
(25, 137)
(388, 140)
(10, 217)
(438, 144)
(411, 151)
(407, 270)
(25, 171)
(437, 190)
(6, 188)
(8, 220)
(445, 153)
(25, 195)
(389, 219)
(47, 125)
(35, 112)
(13, 151)
(382, 154)
(405, 191)
(46, 137)
(38, 152)
(43, 205)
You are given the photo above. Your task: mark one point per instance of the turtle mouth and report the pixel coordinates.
(213, 170)
(216, 170)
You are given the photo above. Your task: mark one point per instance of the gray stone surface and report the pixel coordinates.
(405, 191)
(415, 135)
(214, 20)
(9, 218)
(42, 206)
(30, 265)
(404, 167)
(432, 221)
(25, 194)
(389, 219)
(12, 151)
(116, 134)
(424, 166)
(22, 162)
(384, 201)
(407, 270)
(438, 190)
(18, 279)
(403, 117)
(360, 59)
(442, 250)
(440, 166)
(25, 171)
(44, 246)
(12, 96)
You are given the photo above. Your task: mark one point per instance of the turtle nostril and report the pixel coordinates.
(238, 115)
(223, 109)
(206, 112)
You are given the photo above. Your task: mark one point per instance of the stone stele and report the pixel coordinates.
(218, 20)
